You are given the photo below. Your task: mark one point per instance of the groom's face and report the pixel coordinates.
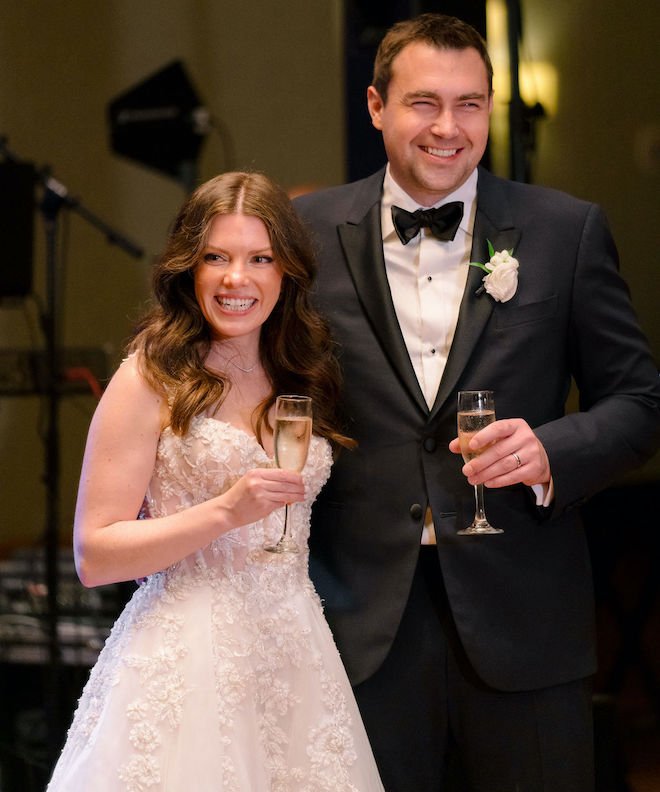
(435, 119)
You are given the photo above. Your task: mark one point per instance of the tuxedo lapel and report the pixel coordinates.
(363, 248)
(492, 224)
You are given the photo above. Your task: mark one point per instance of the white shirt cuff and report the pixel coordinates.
(545, 493)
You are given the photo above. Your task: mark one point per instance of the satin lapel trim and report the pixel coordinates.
(363, 248)
(476, 306)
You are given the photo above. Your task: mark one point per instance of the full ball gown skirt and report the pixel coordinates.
(221, 672)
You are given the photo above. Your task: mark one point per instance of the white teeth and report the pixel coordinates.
(440, 152)
(236, 303)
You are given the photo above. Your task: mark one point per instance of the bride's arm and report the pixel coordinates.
(110, 543)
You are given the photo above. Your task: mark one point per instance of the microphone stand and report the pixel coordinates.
(55, 198)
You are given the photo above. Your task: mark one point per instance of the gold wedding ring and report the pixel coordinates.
(517, 458)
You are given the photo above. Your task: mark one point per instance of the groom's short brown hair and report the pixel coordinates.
(437, 30)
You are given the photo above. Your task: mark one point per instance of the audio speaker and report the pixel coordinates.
(17, 204)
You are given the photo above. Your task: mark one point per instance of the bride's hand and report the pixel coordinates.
(261, 491)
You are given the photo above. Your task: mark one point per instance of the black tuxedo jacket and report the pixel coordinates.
(521, 600)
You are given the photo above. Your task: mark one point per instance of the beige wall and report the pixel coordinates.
(271, 72)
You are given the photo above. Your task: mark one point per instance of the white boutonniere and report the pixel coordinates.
(501, 279)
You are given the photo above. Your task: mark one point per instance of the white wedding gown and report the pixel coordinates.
(221, 673)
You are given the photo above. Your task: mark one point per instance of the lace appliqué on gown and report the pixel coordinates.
(221, 672)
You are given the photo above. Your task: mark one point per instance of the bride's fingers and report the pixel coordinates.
(275, 484)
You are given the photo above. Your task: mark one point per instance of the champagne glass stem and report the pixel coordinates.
(480, 524)
(286, 533)
(480, 514)
(285, 544)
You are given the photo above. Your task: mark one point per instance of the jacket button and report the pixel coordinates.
(416, 511)
(429, 444)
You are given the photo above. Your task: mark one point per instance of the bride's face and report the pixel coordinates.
(238, 280)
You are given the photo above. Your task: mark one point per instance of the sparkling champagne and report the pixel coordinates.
(469, 423)
(292, 436)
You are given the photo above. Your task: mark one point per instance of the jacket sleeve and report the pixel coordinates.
(617, 427)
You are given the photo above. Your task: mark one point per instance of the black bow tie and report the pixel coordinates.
(442, 222)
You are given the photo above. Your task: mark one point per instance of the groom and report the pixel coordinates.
(470, 655)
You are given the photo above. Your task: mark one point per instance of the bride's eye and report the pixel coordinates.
(213, 258)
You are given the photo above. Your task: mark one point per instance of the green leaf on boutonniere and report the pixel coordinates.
(491, 253)
(480, 265)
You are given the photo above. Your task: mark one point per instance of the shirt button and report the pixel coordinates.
(416, 511)
(428, 277)
(429, 444)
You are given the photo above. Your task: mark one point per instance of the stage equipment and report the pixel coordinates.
(17, 202)
(161, 123)
(54, 198)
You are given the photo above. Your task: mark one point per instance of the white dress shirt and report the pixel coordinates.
(427, 279)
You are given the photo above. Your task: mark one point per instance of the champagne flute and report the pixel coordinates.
(293, 431)
(476, 410)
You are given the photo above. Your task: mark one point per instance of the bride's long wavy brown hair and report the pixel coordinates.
(296, 349)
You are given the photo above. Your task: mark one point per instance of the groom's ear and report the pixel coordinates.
(375, 105)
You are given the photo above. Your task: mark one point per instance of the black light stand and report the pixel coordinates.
(55, 198)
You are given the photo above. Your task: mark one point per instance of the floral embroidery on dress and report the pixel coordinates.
(222, 664)
(141, 773)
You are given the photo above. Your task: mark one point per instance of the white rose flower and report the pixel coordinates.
(502, 279)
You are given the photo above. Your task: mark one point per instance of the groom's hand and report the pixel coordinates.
(511, 454)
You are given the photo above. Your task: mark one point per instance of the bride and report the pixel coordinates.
(221, 673)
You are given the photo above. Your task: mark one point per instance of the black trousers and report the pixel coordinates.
(435, 727)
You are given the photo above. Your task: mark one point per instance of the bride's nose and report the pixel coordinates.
(235, 275)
